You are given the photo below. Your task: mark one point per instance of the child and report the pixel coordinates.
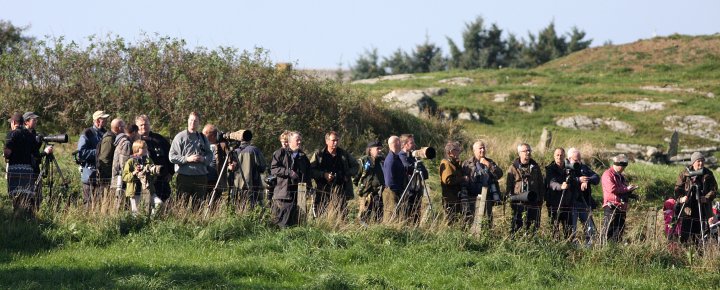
(139, 173)
(669, 214)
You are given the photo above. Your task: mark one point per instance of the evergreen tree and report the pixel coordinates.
(367, 66)
(576, 41)
(11, 36)
(398, 63)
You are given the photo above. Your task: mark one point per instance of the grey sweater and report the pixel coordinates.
(186, 144)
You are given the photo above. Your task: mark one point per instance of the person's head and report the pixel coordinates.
(210, 131)
(294, 140)
(373, 149)
(139, 148)
(394, 144)
(193, 122)
(143, 124)
(620, 162)
(574, 155)
(284, 139)
(132, 132)
(559, 157)
(16, 121)
(452, 150)
(697, 160)
(30, 120)
(331, 140)
(117, 126)
(524, 153)
(407, 142)
(99, 119)
(479, 150)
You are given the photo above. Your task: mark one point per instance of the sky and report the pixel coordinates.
(326, 34)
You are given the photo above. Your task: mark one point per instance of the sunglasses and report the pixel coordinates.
(622, 164)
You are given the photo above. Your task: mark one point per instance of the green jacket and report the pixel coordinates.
(137, 184)
(370, 177)
(348, 168)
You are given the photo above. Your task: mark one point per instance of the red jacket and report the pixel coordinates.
(614, 186)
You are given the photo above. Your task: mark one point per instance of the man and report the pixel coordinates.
(87, 156)
(695, 188)
(247, 165)
(370, 182)
(584, 203)
(482, 172)
(453, 183)
(159, 150)
(616, 192)
(123, 152)
(215, 169)
(18, 153)
(31, 121)
(561, 192)
(291, 166)
(524, 178)
(107, 154)
(332, 168)
(190, 151)
(415, 188)
(395, 178)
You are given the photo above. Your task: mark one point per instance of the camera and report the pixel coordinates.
(238, 136)
(58, 138)
(694, 173)
(494, 193)
(629, 196)
(271, 181)
(424, 153)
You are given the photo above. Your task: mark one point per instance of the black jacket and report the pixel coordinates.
(282, 165)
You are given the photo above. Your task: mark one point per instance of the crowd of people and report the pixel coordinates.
(135, 166)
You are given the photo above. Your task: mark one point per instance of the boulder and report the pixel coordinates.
(414, 102)
(696, 125)
(500, 98)
(581, 122)
(434, 92)
(527, 107)
(398, 77)
(637, 106)
(458, 81)
(467, 116)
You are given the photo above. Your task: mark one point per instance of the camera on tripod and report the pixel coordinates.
(424, 153)
(57, 138)
(237, 136)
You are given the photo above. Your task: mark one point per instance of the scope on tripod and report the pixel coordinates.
(58, 138)
(424, 153)
(239, 135)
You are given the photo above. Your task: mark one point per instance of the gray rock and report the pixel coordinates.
(467, 116)
(619, 126)
(398, 77)
(710, 95)
(500, 98)
(578, 122)
(414, 102)
(527, 107)
(476, 116)
(673, 147)
(458, 81)
(434, 92)
(696, 125)
(545, 140)
(637, 106)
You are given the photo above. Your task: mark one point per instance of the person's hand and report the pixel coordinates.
(632, 187)
(138, 168)
(485, 162)
(328, 176)
(195, 158)
(584, 179)
(48, 150)
(682, 199)
(583, 186)
(231, 166)
(293, 174)
(564, 186)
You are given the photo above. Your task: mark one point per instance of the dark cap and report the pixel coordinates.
(29, 115)
(17, 117)
(375, 143)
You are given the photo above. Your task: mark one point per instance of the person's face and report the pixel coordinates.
(141, 151)
(454, 153)
(332, 142)
(30, 124)
(698, 164)
(395, 145)
(479, 151)
(14, 125)
(410, 144)
(375, 151)
(100, 123)
(193, 122)
(559, 157)
(211, 135)
(524, 154)
(575, 157)
(295, 143)
(619, 168)
(143, 127)
(284, 143)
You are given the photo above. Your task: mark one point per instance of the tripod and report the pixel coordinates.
(417, 174)
(223, 169)
(50, 168)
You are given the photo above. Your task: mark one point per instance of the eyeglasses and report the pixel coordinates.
(526, 151)
(621, 164)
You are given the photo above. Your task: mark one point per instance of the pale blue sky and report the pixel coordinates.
(321, 34)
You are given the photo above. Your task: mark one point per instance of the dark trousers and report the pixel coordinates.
(371, 207)
(330, 200)
(532, 217)
(284, 212)
(561, 218)
(191, 189)
(613, 223)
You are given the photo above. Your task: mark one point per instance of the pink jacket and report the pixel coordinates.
(614, 185)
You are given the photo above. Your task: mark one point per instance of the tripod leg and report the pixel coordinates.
(399, 202)
(217, 183)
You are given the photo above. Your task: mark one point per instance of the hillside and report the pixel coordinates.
(637, 93)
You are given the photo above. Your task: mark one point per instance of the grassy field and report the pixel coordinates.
(69, 248)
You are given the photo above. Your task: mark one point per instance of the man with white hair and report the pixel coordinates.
(526, 189)
(395, 178)
(616, 192)
(584, 203)
(291, 166)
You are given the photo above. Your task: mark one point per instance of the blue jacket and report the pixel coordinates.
(87, 146)
(394, 172)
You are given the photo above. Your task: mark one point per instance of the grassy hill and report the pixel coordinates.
(69, 248)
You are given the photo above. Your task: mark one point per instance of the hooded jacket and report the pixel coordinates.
(283, 163)
(531, 173)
